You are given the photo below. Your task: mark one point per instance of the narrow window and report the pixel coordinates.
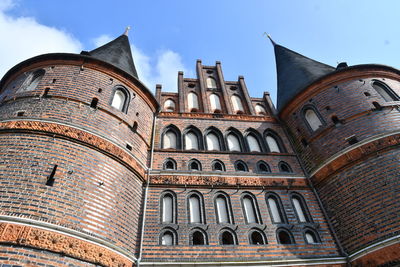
(227, 238)
(194, 165)
(272, 144)
(249, 209)
(167, 208)
(169, 105)
(284, 237)
(240, 166)
(167, 238)
(213, 142)
(211, 83)
(274, 210)
(385, 92)
(300, 209)
(260, 110)
(312, 119)
(198, 238)
(218, 166)
(193, 102)
(170, 164)
(254, 145)
(191, 141)
(32, 81)
(284, 167)
(233, 143)
(311, 237)
(94, 102)
(237, 104)
(169, 139)
(119, 99)
(50, 179)
(194, 209)
(257, 238)
(222, 209)
(215, 103)
(263, 167)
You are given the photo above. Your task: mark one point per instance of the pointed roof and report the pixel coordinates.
(117, 53)
(295, 72)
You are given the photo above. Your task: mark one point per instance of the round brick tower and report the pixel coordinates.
(75, 131)
(344, 123)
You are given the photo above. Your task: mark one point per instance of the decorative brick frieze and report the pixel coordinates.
(208, 116)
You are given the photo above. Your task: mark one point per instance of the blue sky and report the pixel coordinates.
(168, 36)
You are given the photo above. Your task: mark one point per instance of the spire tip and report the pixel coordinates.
(270, 38)
(127, 30)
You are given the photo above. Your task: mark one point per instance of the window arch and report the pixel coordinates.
(214, 139)
(32, 81)
(211, 83)
(193, 102)
(168, 207)
(254, 142)
(312, 117)
(198, 237)
(223, 208)
(237, 104)
(169, 164)
(218, 165)
(274, 142)
(284, 236)
(250, 209)
(227, 237)
(192, 139)
(195, 208)
(385, 91)
(234, 140)
(275, 208)
(257, 237)
(194, 165)
(215, 103)
(284, 167)
(263, 167)
(120, 99)
(168, 237)
(169, 105)
(300, 208)
(240, 166)
(311, 236)
(260, 110)
(171, 138)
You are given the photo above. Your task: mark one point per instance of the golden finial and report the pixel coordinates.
(270, 38)
(127, 30)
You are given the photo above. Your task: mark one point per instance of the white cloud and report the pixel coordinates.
(23, 37)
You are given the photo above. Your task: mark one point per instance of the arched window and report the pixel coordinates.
(311, 237)
(168, 237)
(256, 237)
(195, 208)
(211, 83)
(191, 141)
(222, 209)
(284, 237)
(168, 207)
(198, 238)
(237, 104)
(120, 99)
(312, 119)
(169, 105)
(263, 167)
(217, 165)
(169, 164)
(193, 102)
(385, 91)
(240, 166)
(32, 81)
(227, 237)
(233, 142)
(254, 145)
(215, 103)
(212, 141)
(249, 209)
(284, 167)
(194, 165)
(275, 208)
(169, 140)
(260, 110)
(299, 206)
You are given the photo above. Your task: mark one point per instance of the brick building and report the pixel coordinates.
(96, 171)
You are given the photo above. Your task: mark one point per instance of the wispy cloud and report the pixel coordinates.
(24, 37)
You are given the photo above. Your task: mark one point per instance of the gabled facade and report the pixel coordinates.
(95, 170)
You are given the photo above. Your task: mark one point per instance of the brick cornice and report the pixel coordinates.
(34, 237)
(78, 136)
(355, 154)
(217, 116)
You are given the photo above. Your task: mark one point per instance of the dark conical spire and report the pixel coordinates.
(295, 72)
(117, 53)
